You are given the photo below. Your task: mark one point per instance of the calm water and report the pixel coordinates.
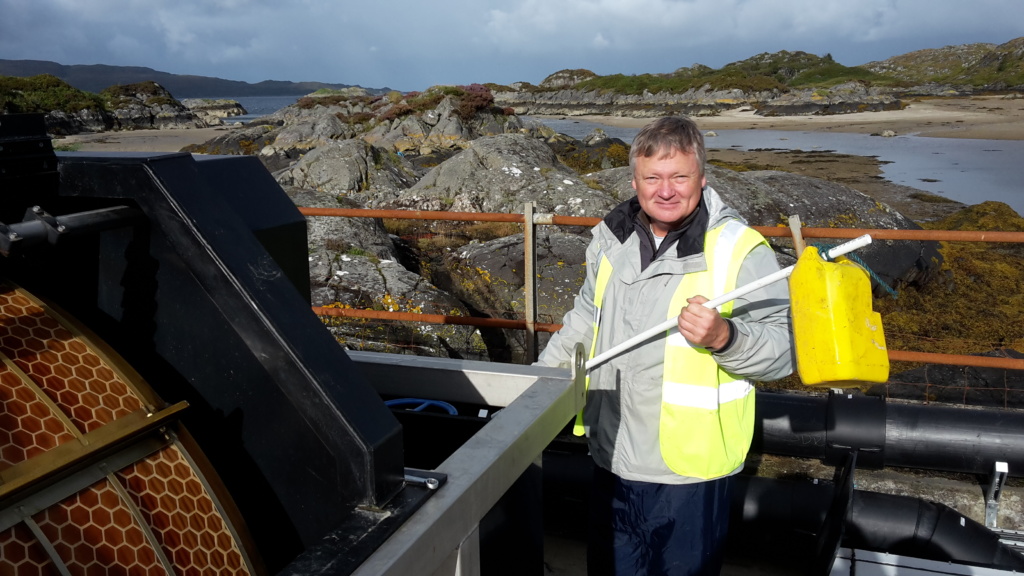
(969, 171)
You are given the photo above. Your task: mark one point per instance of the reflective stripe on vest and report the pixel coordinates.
(699, 399)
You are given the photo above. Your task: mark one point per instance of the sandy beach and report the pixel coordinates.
(981, 117)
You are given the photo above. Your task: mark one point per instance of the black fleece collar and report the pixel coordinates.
(625, 218)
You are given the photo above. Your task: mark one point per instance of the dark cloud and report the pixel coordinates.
(410, 44)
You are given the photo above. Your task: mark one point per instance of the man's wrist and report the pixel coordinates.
(728, 341)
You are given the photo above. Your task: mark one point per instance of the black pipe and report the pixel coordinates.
(950, 439)
(921, 529)
(787, 517)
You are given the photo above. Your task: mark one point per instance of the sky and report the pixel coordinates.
(414, 44)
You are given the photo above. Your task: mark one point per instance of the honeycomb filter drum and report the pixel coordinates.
(97, 476)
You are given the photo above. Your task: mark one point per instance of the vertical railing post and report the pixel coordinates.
(530, 280)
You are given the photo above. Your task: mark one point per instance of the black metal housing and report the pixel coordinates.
(202, 287)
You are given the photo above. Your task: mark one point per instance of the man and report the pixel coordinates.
(670, 420)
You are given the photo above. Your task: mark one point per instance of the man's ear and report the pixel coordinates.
(633, 184)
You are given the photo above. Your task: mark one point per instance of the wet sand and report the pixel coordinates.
(981, 117)
(170, 140)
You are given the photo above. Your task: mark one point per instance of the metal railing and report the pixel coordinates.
(531, 220)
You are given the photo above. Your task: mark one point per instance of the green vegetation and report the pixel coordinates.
(931, 198)
(587, 161)
(44, 93)
(122, 95)
(979, 65)
(979, 303)
(780, 71)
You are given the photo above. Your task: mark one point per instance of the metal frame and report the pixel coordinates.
(442, 537)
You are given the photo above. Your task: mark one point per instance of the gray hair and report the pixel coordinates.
(666, 134)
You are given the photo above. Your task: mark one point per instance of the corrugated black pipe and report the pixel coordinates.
(950, 439)
(914, 527)
(789, 512)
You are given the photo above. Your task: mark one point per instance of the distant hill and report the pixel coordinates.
(96, 77)
(978, 65)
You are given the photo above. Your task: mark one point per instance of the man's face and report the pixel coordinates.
(668, 188)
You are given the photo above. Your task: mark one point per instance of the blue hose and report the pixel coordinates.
(422, 404)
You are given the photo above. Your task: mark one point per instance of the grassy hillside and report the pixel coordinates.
(982, 66)
(977, 65)
(779, 71)
(44, 93)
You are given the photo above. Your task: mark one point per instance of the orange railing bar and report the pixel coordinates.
(774, 231)
(433, 318)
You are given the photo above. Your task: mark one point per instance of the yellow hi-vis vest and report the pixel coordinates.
(707, 414)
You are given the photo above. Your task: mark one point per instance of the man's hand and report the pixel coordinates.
(703, 326)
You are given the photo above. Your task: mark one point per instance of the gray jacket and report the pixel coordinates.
(624, 398)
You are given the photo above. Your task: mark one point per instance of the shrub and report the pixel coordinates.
(476, 97)
(357, 118)
(44, 93)
(396, 111)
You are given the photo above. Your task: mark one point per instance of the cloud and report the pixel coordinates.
(411, 44)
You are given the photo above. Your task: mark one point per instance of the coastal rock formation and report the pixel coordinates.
(841, 99)
(352, 169)
(489, 277)
(499, 174)
(147, 105)
(703, 101)
(353, 263)
(144, 106)
(844, 98)
(211, 111)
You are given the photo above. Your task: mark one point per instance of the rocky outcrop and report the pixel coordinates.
(143, 106)
(500, 174)
(353, 263)
(841, 99)
(60, 123)
(352, 169)
(147, 106)
(566, 79)
(212, 112)
(571, 102)
(489, 276)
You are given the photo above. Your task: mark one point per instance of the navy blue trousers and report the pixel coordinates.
(644, 529)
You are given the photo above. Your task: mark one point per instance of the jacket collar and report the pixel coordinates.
(627, 217)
